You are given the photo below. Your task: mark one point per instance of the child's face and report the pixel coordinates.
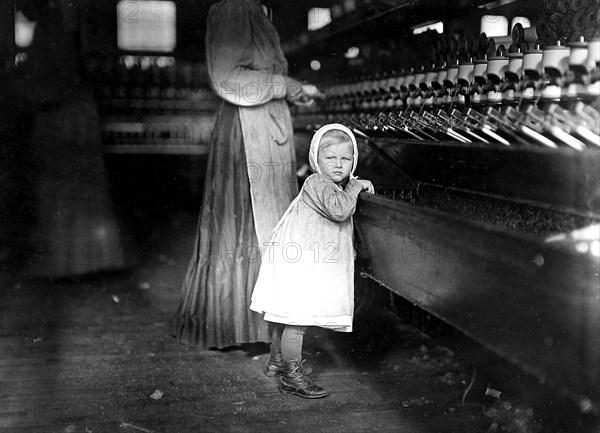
(335, 160)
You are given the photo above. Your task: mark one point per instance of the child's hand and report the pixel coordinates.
(366, 185)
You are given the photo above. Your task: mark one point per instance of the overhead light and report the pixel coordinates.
(495, 4)
(20, 58)
(352, 53)
(438, 26)
(494, 25)
(349, 6)
(318, 18)
(23, 30)
(315, 65)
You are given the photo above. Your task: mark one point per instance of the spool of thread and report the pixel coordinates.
(578, 56)
(431, 76)
(491, 48)
(442, 74)
(530, 35)
(479, 70)
(532, 63)
(390, 83)
(365, 87)
(482, 45)
(477, 98)
(361, 83)
(496, 67)
(552, 92)
(465, 73)
(356, 88)
(376, 85)
(452, 75)
(522, 35)
(555, 60)
(340, 89)
(348, 89)
(593, 59)
(351, 89)
(400, 81)
(419, 77)
(515, 66)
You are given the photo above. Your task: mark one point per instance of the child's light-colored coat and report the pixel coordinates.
(307, 272)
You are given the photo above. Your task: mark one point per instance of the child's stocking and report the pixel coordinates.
(291, 343)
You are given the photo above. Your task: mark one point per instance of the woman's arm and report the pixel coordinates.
(328, 200)
(229, 49)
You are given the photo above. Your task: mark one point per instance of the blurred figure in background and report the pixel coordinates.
(74, 229)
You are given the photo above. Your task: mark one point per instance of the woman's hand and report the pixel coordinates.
(309, 93)
(366, 185)
(301, 94)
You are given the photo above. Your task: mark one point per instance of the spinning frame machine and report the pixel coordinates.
(487, 170)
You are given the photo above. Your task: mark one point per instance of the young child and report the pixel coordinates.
(307, 272)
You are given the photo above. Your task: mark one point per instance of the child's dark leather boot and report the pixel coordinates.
(275, 366)
(294, 381)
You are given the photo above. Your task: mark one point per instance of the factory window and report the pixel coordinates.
(494, 25)
(318, 18)
(524, 21)
(422, 28)
(146, 25)
(23, 30)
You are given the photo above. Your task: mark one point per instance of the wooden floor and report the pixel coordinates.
(87, 355)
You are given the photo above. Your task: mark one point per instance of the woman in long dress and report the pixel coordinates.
(250, 178)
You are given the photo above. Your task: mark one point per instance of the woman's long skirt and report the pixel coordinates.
(214, 311)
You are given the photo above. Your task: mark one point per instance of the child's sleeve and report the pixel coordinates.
(328, 200)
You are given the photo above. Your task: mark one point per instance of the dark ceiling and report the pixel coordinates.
(290, 17)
